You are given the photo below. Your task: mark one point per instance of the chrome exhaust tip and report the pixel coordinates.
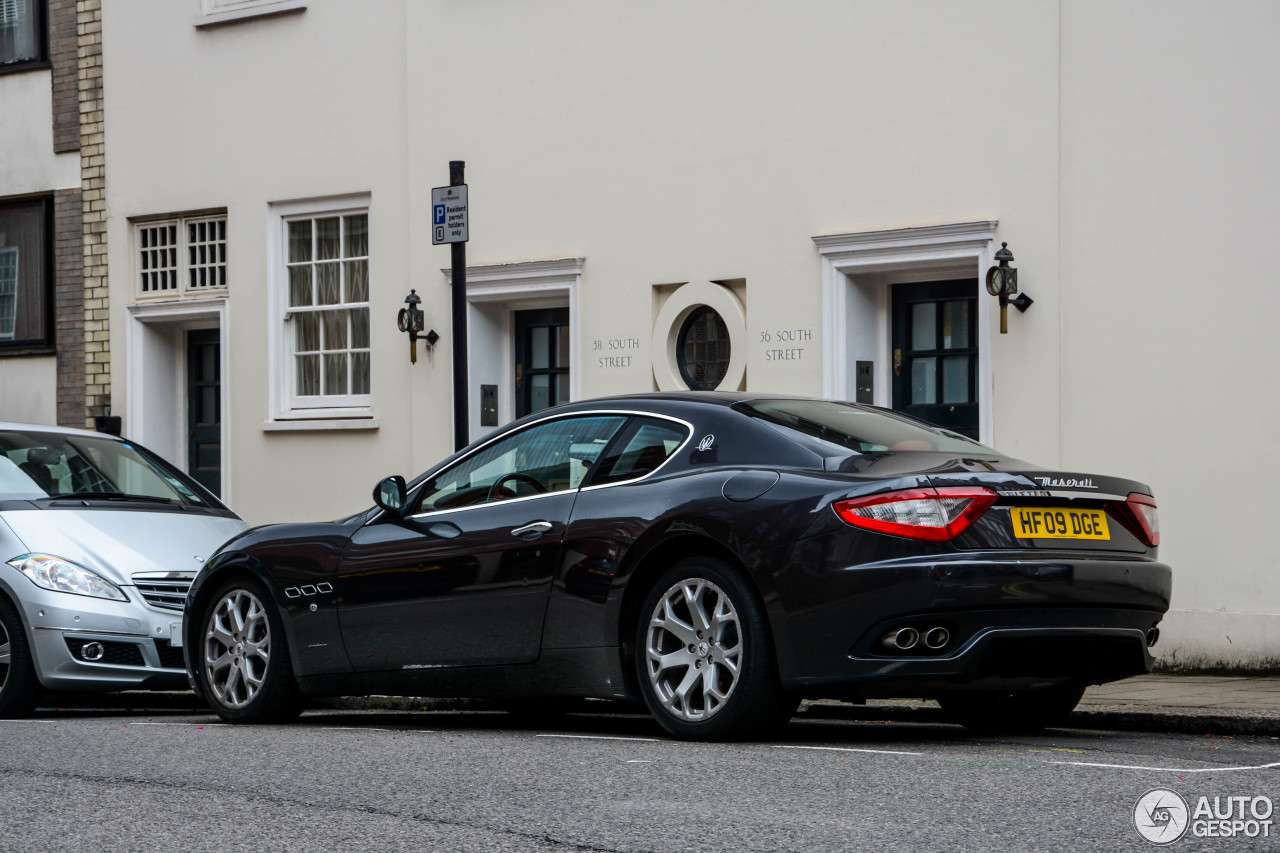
(92, 651)
(937, 638)
(903, 638)
(1153, 637)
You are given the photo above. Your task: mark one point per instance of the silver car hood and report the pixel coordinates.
(118, 542)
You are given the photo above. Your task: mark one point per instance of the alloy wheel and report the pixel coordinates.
(693, 649)
(237, 648)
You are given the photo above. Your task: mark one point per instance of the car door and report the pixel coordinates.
(463, 579)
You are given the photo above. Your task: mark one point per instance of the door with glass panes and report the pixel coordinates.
(935, 353)
(542, 359)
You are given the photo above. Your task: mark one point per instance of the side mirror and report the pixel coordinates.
(390, 494)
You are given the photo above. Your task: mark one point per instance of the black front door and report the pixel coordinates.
(464, 580)
(935, 353)
(204, 408)
(542, 359)
(452, 588)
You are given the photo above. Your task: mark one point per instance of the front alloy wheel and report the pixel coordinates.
(244, 659)
(704, 654)
(237, 648)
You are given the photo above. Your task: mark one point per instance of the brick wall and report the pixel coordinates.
(63, 55)
(68, 300)
(97, 348)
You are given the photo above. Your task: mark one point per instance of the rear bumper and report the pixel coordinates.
(1014, 620)
(997, 658)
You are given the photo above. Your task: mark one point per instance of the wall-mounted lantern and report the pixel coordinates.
(1002, 282)
(412, 320)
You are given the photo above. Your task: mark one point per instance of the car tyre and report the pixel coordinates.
(245, 670)
(1020, 711)
(19, 686)
(704, 655)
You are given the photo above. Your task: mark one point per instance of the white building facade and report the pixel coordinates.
(796, 198)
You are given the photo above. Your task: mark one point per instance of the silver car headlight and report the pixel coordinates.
(49, 572)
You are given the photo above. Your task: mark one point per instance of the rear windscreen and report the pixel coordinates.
(834, 428)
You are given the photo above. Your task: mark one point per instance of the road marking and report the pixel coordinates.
(850, 749)
(1167, 769)
(368, 729)
(201, 725)
(45, 722)
(603, 737)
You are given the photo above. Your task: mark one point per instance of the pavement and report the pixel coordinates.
(1160, 702)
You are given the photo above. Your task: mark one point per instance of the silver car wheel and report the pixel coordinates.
(237, 648)
(693, 649)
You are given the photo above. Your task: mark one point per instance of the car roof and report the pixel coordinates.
(11, 426)
(709, 398)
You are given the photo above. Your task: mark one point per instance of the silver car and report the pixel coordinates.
(99, 541)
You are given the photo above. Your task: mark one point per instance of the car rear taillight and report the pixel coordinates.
(1139, 516)
(935, 515)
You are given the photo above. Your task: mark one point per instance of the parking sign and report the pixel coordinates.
(449, 215)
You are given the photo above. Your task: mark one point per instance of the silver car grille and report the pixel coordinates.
(166, 590)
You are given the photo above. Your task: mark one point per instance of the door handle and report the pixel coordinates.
(532, 530)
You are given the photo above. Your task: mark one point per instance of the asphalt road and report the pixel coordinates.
(103, 780)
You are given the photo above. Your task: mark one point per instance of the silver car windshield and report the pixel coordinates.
(36, 465)
(844, 427)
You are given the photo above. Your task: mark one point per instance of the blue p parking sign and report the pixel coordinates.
(448, 213)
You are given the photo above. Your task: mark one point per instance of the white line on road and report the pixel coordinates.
(1166, 769)
(199, 725)
(45, 722)
(604, 737)
(850, 749)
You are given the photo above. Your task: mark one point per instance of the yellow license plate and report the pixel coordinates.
(1059, 523)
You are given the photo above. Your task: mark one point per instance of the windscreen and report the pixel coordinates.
(37, 465)
(839, 428)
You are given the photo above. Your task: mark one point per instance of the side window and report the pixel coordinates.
(642, 448)
(548, 457)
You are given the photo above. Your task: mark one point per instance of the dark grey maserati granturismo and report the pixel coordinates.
(720, 556)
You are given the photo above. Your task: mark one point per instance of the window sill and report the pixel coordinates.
(331, 424)
(11, 351)
(19, 67)
(261, 10)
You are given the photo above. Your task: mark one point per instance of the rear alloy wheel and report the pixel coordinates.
(19, 687)
(1021, 711)
(244, 657)
(705, 657)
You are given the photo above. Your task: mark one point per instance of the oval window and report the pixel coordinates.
(702, 349)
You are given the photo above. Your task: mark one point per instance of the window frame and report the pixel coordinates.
(216, 12)
(180, 221)
(41, 13)
(415, 488)
(420, 489)
(46, 343)
(630, 430)
(282, 334)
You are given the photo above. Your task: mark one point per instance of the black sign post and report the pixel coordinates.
(449, 224)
